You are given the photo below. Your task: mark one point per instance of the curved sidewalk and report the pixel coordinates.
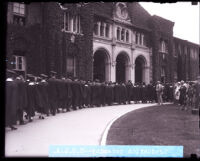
(81, 127)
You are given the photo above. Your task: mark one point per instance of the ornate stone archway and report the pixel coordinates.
(141, 70)
(122, 67)
(101, 65)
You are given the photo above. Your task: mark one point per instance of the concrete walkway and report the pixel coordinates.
(81, 127)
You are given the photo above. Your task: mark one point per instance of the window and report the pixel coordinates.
(127, 36)
(71, 66)
(102, 30)
(18, 63)
(96, 29)
(118, 33)
(138, 39)
(72, 23)
(19, 14)
(163, 46)
(19, 8)
(107, 30)
(123, 35)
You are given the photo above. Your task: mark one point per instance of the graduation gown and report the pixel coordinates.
(11, 103)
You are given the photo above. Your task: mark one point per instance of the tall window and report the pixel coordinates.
(72, 23)
(19, 14)
(107, 30)
(127, 36)
(18, 63)
(118, 33)
(163, 46)
(71, 66)
(123, 35)
(102, 29)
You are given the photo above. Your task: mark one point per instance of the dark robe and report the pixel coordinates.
(11, 103)
(76, 94)
(69, 94)
(32, 100)
(88, 95)
(109, 94)
(129, 91)
(43, 97)
(52, 95)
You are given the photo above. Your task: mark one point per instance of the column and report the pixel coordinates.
(128, 72)
(146, 74)
(110, 31)
(113, 71)
(132, 73)
(108, 71)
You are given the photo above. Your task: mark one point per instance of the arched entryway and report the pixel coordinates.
(122, 70)
(101, 65)
(140, 64)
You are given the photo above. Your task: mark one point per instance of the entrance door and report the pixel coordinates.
(99, 69)
(139, 70)
(121, 63)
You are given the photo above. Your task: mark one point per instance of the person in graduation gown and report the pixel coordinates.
(52, 93)
(31, 97)
(43, 96)
(117, 93)
(11, 100)
(123, 93)
(97, 93)
(129, 91)
(109, 93)
(87, 100)
(92, 85)
(22, 98)
(103, 93)
(69, 94)
(76, 94)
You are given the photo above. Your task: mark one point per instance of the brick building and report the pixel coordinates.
(115, 41)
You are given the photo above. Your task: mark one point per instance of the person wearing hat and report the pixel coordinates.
(22, 98)
(11, 99)
(159, 91)
(129, 88)
(52, 92)
(31, 97)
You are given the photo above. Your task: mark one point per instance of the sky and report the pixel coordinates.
(183, 14)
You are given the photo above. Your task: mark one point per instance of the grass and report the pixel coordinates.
(157, 125)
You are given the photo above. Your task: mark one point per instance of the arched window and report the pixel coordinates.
(118, 33)
(127, 36)
(101, 29)
(123, 35)
(107, 30)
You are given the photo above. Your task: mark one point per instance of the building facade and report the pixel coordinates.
(112, 41)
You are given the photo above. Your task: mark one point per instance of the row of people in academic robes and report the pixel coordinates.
(47, 96)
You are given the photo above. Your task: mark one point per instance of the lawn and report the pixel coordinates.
(157, 125)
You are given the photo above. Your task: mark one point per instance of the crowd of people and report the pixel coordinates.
(49, 96)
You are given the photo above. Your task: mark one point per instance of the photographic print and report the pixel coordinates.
(102, 79)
